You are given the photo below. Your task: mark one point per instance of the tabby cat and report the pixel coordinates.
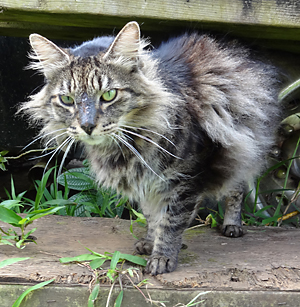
(168, 127)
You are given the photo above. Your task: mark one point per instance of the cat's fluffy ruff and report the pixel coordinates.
(191, 119)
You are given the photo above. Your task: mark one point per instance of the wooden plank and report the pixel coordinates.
(269, 19)
(265, 12)
(265, 258)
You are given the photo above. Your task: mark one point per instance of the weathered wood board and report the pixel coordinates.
(275, 23)
(265, 258)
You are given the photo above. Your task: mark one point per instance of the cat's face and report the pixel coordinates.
(93, 98)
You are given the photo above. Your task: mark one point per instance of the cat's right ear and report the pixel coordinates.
(48, 57)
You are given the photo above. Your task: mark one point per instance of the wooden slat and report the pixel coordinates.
(273, 20)
(266, 12)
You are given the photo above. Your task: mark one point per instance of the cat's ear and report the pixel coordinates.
(127, 43)
(49, 56)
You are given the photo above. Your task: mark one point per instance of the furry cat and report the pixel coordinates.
(167, 127)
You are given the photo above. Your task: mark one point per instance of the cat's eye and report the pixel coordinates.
(109, 95)
(67, 100)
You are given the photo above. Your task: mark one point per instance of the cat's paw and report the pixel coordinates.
(233, 231)
(144, 247)
(160, 264)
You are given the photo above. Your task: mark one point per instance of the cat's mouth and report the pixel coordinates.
(94, 139)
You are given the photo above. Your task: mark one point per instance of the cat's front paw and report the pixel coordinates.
(233, 231)
(160, 264)
(144, 247)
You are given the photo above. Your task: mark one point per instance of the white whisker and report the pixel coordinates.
(56, 136)
(65, 155)
(41, 137)
(56, 150)
(150, 141)
(137, 154)
(44, 155)
(151, 131)
(116, 141)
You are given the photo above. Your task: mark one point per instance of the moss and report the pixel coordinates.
(187, 257)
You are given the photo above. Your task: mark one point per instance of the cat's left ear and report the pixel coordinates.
(127, 43)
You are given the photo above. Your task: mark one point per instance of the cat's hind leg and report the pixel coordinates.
(232, 224)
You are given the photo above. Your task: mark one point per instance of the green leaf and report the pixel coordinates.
(134, 259)
(11, 261)
(93, 296)
(20, 244)
(80, 258)
(271, 220)
(59, 202)
(35, 287)
(193, 303)
(5, 242)
(106, 255)
(77, 178)
(9, 216)
(40, 213)
(41, 189)
(119, 299)
(114, 260)
(139, 215)
(10, 203)
(97, 263)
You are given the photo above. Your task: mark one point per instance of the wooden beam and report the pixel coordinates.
(263, 12)
(277, 20)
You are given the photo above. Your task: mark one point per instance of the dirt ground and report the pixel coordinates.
(265, 258)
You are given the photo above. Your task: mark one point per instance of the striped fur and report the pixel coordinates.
(192, 119)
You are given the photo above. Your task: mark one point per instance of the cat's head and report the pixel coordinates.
(91, 98)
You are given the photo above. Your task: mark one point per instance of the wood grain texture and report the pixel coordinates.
(266, 258)
(82, 19)
(266, 12)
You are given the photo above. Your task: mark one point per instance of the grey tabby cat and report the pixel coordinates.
(168, 127)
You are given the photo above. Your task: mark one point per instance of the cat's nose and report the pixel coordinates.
(88, 128)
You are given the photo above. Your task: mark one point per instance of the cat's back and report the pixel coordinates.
(232, 96)
(92, 47)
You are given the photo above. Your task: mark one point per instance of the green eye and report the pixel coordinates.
(67, 100)
(110, 95)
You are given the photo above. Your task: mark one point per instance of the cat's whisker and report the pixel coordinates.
(151, 131)
(56, 136)
(42, 137)
(169, 125)
(65, 155)
(56, 151)
(150, 141)
(44, 155)
(137, 154)
(116, 142)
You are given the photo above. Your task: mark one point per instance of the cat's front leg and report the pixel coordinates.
(232, 224)
(145, 245)
(165, 235)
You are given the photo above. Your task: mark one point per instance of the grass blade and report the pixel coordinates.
(114, 260)
(119, 299)
(9, 216)
(93, 296)
(134, 259)
(80, 258)
(35, 287)
(11, 261)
